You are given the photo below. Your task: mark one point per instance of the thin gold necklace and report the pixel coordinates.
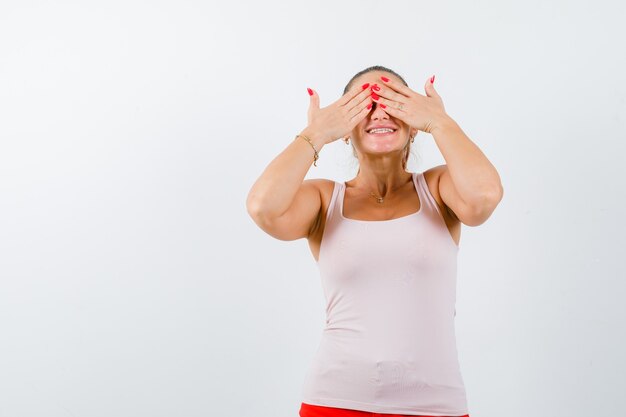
(379, 199)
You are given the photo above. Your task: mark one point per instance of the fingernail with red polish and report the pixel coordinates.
(432, 79)
(369, 106)
(383, 106)
(310, 91)
(364, 86)
(375, 96)
(375, 87)
(385, 79)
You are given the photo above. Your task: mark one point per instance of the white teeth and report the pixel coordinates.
(385, 130)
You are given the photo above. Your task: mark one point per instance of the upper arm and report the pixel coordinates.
(455, 205)
(300, 218)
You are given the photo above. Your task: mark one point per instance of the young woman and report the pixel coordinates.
(386, 244)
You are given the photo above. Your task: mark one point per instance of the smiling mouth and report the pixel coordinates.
(381, 132)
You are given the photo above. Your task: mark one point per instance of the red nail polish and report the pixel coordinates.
(369, 106)
(310, 91)
(375, 96)
(385, 79)
(432, 79)
(375, 87)
(364, 86)
(383, 106)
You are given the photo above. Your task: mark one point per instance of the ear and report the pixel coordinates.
(414, 132)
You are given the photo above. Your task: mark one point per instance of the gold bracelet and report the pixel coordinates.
(316, 156)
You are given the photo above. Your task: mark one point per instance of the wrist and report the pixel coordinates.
(441, 123)
(316, 138)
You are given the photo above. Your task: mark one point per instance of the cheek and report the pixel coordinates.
(361, 126)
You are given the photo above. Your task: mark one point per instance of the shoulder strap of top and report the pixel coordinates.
(429, 199)
(333, 201)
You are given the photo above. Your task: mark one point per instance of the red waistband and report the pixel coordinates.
(310, 410)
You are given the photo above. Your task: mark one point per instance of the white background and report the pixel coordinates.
(133, 281)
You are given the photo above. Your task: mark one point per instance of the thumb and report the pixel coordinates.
(430, 88)
(314, 104)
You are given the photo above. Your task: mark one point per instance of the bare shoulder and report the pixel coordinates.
(322, 185)
(325, 188)
(432, 177)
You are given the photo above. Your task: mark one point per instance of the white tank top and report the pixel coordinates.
(389, 343)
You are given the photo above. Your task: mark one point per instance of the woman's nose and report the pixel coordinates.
(378, 112)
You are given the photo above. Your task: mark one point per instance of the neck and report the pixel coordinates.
(381, 183)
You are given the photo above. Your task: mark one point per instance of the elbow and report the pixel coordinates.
(259, 214)
(254, 208)
(494, 197)
(490, 198)
(255, 211)
(483, 210)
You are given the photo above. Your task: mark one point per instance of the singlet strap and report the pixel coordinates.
(333, 201)
(429, 199)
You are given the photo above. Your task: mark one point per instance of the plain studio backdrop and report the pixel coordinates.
(133, 281)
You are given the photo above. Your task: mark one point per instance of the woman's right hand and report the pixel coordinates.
(338, 119)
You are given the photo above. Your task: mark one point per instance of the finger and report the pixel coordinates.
(430, 88)
(398, 86)
(314, 102)
(365, 104)
(384, 91)
(391, 107)
(363, 96)
(356, 119)
(353, 92)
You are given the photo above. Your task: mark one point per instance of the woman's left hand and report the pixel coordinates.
(418, 111)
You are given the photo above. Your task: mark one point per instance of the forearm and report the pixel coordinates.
(274, 191)
(473, 175)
